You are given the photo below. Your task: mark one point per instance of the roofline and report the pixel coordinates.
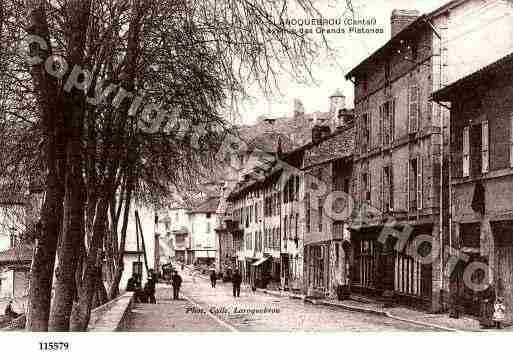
(445, 93)
(421, 19)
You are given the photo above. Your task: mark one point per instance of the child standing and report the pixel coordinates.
(499, 312)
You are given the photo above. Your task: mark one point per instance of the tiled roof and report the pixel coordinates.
(338, 145)
(18, 254)
(264, 135)
(210, 205)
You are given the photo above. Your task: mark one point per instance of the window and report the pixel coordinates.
(307, 212)
(285, 228)
(137, 268)
(415, 183)
(466, 151)
(297, 188)
(208, 227)
(484, 147)
(297, 219)
(511, 140)
(388, 189)
(320, 215)
(413, 108)
(387, 123)
(366, 194)
(365, 132)
(208, 215)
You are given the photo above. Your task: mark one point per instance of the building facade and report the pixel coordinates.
(203, 220)
(401, 171)
(327, 168)
(482, 182)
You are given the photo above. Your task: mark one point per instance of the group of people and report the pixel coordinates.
(147, 294)
(236, 281)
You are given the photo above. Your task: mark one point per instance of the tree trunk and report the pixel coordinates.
(114, 288)
(77, 14)
(41, 271)
(68, 253)
(89, 281)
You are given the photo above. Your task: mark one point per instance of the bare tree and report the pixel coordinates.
(192, 58)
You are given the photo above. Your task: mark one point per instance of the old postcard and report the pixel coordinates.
(255, 166)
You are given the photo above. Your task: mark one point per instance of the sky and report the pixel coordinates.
(330, 73)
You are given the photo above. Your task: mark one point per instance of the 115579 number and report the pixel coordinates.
(53, 346)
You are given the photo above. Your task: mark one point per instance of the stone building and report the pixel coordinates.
(327, 172)
(402, 142)
(482, 181)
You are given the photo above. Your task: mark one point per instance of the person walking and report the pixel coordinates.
(176, 282)
(236, 281)
(213, 278)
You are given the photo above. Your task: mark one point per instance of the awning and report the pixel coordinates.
(260, 261)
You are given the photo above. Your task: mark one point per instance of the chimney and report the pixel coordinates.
(401, 18)
(319, 132)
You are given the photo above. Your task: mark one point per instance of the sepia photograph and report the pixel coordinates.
(254, 166)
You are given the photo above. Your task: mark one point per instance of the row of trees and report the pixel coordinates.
(192, 58)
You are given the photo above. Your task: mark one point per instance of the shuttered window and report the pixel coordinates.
(511, 140)
(415, 184)
(466, 151)
(413, 108)
(419, 182)
(484, 147)
(386, 123)
(387, 189)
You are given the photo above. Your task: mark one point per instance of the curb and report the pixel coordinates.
(361, 310)
(351, 308)
(388, 315)
(411, 321)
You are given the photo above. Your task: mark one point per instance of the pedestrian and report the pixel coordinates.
(213, 278)
(499, 312)
(149, 287)
(176, 282)
(10, 312)
(236, 281)
(134, 285)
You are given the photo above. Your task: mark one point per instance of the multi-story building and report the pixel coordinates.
(269, 204)
(173, 232)
(482, 182)
(203, 220)
(402, 141)
(327, 166)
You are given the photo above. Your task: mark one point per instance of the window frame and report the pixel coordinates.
(485, 147)
(466, 152)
